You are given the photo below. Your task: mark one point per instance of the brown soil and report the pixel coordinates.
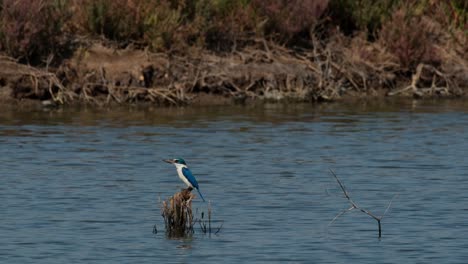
(104, 75)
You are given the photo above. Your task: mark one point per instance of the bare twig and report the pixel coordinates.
(355, 206)
(219, 228)
(388, 206)
(340, 214)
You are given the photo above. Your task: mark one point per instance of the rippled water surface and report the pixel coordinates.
(82, 185)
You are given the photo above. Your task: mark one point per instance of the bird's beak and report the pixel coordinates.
(169, 161)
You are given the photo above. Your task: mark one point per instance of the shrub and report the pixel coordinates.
(120, 20)
(449, 13)
(226, 24)
(289, 18)
(32, 29)
(367, 15)
(156, 23)
(410, 38)
(161, 25)
(212, 24)
(460, 10)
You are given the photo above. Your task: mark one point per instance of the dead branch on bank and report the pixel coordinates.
(355, 206)
(440, 83)
(328, 71)
(33, 83)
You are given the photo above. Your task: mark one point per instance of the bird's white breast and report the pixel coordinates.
(181, 175)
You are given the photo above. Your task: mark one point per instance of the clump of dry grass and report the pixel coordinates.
(179, 218)
(178, 214)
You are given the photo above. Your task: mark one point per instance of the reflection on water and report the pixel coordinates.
(82, 185)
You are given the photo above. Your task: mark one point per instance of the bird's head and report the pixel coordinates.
(176, 161)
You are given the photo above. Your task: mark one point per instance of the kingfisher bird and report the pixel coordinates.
(185, 174)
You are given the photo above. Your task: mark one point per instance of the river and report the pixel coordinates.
(82, 185)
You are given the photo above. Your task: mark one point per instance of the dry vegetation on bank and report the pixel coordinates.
(170, 51)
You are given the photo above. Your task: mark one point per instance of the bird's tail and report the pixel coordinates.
(201, 196)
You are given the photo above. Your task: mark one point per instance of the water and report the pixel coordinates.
(82, 185)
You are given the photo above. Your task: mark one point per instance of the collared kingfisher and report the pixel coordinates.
(185, 174)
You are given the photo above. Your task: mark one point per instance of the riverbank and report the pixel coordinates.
(414, 50)
(104, 75)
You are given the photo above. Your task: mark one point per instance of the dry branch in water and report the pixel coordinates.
(355, 206)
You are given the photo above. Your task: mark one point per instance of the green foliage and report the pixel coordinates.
(161, 25)
(352, 15)
(33, 29)
(212, 24)
(225, 7)
(455, 12)
(119, 20)
(164, 24)
(225, 23)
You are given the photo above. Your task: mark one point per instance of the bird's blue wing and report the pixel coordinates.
(188, 174)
